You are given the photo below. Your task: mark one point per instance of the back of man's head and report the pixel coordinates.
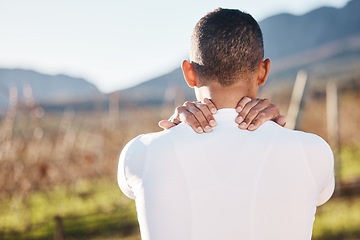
(226, 44)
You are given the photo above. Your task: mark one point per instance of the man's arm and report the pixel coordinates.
(253, 112)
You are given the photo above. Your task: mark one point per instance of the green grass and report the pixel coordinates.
(338, 219)
(350, 162)
(89, 208)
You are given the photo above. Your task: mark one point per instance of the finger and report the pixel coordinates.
(263, 116)
(166, 124)
(184, 115)
(281, 120)
(199, 115)
(244, 112)
(190, 119)
(262, 112)
(207, 113)
(242, 103)
(210, 105)
(176, 121)
(175, 117)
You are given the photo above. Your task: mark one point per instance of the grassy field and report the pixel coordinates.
(93, 208)
(339, 218)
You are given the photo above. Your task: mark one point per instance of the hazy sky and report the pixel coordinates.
(114, 43)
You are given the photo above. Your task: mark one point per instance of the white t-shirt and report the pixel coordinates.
(228, 184)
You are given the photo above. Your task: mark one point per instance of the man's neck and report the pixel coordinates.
(225, 97)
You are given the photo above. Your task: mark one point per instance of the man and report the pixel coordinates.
(229, 183)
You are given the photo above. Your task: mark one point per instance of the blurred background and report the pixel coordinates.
(79, 79)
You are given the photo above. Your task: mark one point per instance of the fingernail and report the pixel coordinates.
(242, 125)
(199, 130)
(213, 110)
(212, 123)
(239, 119)
(208, 129)
(238, 109)
(251, 127)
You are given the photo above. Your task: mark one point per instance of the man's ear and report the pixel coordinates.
(189, 73)
(263, 71)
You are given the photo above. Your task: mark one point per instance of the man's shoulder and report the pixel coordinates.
(148, 139)
(311, 140)
(315, 149)
(311, 148)
(133, 159)
(296, 135)
(165, 136)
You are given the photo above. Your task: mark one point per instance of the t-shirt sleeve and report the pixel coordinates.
(328, 184)
(321, 162)
(328, 190)
(130, 168)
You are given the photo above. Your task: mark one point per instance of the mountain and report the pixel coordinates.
(156, 90)
(44, 89)
(286, 34)
(324, 41)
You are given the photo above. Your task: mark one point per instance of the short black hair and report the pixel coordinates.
(226, 43)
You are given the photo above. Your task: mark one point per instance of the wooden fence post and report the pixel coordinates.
(59, 230)
(296, 100)
(333, 129)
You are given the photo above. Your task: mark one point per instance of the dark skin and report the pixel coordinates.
(253, 112)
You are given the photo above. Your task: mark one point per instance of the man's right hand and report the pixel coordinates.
(253, 112)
